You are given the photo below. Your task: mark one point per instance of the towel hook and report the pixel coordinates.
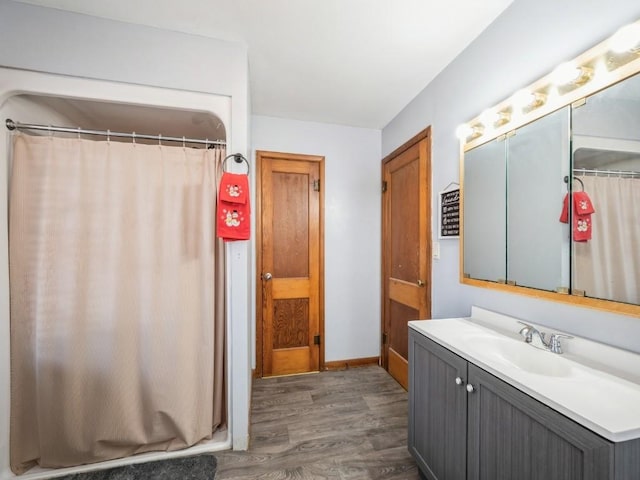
(238, 158)
(566, 180)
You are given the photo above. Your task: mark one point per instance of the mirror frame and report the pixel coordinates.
(604, 68)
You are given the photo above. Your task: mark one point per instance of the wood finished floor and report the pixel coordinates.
(349, 424)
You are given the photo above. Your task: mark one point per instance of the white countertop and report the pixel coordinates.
(604, 400)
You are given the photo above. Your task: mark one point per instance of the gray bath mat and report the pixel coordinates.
(200, 467)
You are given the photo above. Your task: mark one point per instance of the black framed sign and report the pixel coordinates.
(449, 213)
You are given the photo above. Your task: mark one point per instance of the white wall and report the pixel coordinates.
(352, 225)
(80, 46)
(525, 43)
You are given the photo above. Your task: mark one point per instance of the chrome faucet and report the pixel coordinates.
(538, 339)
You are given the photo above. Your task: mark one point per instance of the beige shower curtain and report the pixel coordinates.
(117, 300)
(608, 265)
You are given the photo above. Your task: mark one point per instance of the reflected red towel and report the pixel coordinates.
(564, 215)
(582, 203)
(582, 210)
(582, 227)
(234, 208)
(234, 188)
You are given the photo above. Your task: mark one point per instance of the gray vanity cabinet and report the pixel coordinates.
(437, 409)
(494, 431)
(513, 436)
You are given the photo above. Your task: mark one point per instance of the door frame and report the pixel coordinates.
(386, 221)
(258, 273)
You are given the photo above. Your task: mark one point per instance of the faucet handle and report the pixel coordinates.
(554, 342)
(526, 331)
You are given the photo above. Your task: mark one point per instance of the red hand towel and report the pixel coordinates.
(233, 221)
(234, 188)
(582, 203)
(564, 215)
(582, 210)
(581, 227)
(234, 208)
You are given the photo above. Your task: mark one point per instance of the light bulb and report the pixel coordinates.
(489, 117)
(569, 72)
(464, 131)
(523, 98)
(625, 39)
(565, 73)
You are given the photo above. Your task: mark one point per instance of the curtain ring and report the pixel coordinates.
(159, 139)
(78, 133)
(183, 142)
(108, 135)
(133, 135)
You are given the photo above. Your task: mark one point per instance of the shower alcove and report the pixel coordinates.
(97, 105)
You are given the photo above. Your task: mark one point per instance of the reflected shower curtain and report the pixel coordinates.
(117, 300)
(608, 265)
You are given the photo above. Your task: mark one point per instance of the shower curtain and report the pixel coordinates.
(608, 265)
(117, 300)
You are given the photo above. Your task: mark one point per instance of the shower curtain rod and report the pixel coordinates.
(11, 125)
(607, 172)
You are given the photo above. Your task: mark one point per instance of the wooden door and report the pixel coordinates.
(406, 248)
(289, 264)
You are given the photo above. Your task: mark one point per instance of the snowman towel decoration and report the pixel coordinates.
(234, 209)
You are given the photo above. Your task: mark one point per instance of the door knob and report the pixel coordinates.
(458, 381)
(470, 388)
(420, 283)
(266, 276)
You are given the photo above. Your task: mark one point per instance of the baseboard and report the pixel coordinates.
(351, 363)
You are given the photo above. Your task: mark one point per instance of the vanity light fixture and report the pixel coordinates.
(493, 118)
(528, 100)
(504, 117)
(569, 73)
(466, 132)
(626, 39)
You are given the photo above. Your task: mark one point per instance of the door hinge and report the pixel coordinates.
(316, 185)
(384, 186)
(384, 338)
(316, 340)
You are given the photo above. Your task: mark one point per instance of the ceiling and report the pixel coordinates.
(350, 62)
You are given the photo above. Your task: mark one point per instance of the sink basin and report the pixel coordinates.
(523, 356)
(594, 384)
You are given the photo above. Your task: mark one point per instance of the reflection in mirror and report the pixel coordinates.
(537, 243)
(606, 159)
(484, 212)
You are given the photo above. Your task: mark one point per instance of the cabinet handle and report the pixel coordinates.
(470, 388)
(458, 381)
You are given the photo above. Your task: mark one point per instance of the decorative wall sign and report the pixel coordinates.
(449, 214)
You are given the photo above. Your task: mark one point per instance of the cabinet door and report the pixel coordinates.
(437, 409)
(513, 436)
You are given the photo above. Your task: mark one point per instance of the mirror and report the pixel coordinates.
(537, 243)
(550, 186)
(484, 210)
(606, 161)
(513, 187)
